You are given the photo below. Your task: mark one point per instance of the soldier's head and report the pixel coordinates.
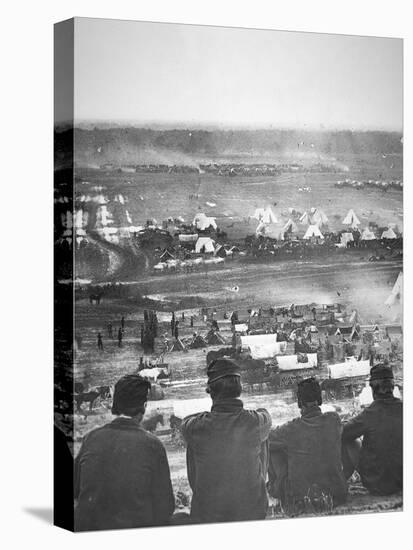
(309, 393)
(224, 379)
(381, 381)
(130, 395)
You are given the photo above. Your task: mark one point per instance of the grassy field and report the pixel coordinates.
(159, 196)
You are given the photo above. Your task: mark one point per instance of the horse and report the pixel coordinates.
(95, 298)
(104, 392)
(150, 424)
(86, 397)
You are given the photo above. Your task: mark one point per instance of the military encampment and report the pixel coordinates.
(238, 296)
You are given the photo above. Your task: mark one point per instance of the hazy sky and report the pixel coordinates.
(170, 73)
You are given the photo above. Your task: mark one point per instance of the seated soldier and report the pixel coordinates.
(227, 455)
(122, 475)
(379, 458)
(305, 470)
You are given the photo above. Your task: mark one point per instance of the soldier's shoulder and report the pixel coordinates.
(257, 414)
(151, 439)
(332, 416)
(195, 419)
(197, 416)
(100, 429)
(289, 425)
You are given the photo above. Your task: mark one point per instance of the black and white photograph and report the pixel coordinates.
(228, 265)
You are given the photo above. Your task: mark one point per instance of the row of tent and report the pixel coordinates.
(315, 216)
(315, 219)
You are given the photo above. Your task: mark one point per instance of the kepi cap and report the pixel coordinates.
(219, 368)
(381, 372)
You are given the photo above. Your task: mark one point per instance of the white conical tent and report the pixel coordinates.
(346, 238)
(389, 234)
(290, 227)
(354, 317)
(269, 216)
(305, 219)
(202, 222)
(396, 295)
(258, 214)
(265, 215)
(367, 235)
(313, 231)
(204, 244)
(274, 231)
(260, 229)
(319, 217)
(351, 219)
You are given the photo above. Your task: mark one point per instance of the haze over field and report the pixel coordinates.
(130, 145)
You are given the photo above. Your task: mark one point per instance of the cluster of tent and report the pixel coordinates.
(315, 220)
(270, 226)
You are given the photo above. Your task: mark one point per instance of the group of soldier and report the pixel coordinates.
(120, 334)
(148, 332)
(235, 459)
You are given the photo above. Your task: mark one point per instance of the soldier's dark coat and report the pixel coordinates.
(122, 479)
(227, 459)
(312, 448)
(381, 458)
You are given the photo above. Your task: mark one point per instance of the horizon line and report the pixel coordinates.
(210, 126)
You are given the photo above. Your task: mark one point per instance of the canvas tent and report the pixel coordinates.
(197, 342)
(319, 217)
(220, 251)
(263, 346)
(214, 338)
(241, 327)
(367, 235)
(349, 368)
(167, 254)
(265, 215)
(346, 238)
(389, 234)
(273, 231)
(351, 219)
(202, 222)
(290, 227)
(291, 362)
(396, 295)
(204, 244)
(178, 345)
(305, 219)
(185, 238)
(313, 231)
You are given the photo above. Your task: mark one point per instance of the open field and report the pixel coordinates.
(344, 276)
(160, 196)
